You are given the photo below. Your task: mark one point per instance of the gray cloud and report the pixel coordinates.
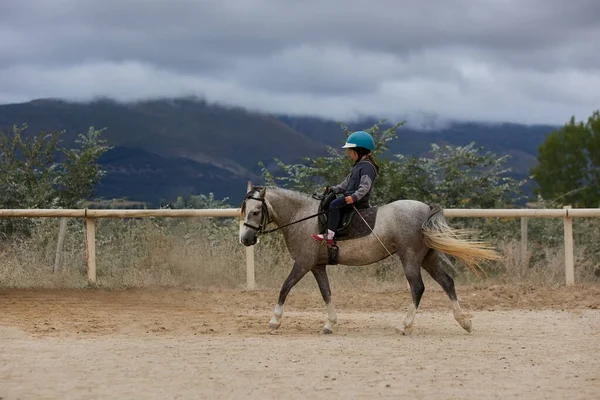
(522, 61)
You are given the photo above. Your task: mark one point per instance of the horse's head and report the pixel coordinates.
(254, 213)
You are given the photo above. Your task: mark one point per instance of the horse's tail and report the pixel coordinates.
(440, 236)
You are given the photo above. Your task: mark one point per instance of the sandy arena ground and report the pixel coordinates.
(176, 344)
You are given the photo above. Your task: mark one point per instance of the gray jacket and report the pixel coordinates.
(358, 183)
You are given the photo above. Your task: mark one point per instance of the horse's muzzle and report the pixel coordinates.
(249, 241)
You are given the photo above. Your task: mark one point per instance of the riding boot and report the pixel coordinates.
(320, 237)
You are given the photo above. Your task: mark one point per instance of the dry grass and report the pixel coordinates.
(205, 253)
(129, 253)
(547, 271)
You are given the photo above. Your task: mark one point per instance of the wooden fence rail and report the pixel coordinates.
(90, 215)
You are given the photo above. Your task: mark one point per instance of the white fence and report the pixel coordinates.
(90, 215)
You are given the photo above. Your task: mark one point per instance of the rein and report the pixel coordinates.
(265, 217)
(295, 222)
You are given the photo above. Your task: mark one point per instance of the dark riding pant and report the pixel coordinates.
(337, 208)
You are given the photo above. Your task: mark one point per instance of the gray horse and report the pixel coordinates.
(415, 231)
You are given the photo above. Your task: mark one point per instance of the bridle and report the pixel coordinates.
(265, 218)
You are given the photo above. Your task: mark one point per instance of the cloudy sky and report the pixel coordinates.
(531, 61)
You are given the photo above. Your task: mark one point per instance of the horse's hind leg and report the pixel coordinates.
(320, 273)
(297, 273)
(412, 270)
(432, 264)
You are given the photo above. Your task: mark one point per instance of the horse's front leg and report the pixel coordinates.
(320, 273)
(297, 273)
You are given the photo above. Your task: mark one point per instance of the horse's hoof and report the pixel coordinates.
(274, 327)
(465, 322)
(467, 326)
(326, 331)
(404, 330)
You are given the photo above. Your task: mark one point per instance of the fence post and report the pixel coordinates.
(250, 278)
(569, 267)
(90, 229)
(62, 230)
(250, 275)
(524, 257)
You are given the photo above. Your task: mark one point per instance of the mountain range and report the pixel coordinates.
(165, 148)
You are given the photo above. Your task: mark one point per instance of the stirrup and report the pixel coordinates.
(321, 238)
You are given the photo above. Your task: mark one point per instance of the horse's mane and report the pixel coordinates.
(291, 194)
(288, 192)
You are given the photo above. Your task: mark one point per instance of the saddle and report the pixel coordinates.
(351, 224)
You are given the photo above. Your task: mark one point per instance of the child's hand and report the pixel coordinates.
(349, 200)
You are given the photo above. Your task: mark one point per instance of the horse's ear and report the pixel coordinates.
(249, 188)
(262, 192)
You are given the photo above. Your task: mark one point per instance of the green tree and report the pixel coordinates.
(467, 177)
(27, 169)
(569, 163)
(80, 172)
(38, 173)
(454, 176)
(319, 171)
(200, 202)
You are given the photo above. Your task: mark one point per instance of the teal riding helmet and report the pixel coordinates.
(360, 139)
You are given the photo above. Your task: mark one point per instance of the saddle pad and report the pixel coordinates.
(356, 227)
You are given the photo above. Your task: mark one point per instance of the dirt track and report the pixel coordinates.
(194, 344)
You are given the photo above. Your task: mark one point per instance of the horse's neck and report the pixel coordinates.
(286, 205)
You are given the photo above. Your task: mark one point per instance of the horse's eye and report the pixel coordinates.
(256, 212)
